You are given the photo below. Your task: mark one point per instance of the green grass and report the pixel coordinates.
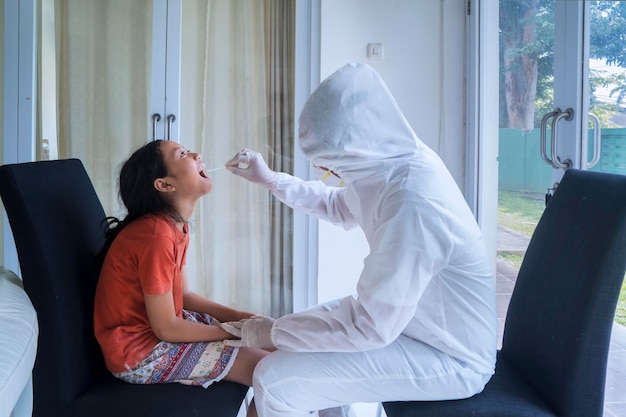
(521, 212)
(620, 314)
(514, 259)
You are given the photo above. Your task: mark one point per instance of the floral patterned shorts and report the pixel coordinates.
(200, 363)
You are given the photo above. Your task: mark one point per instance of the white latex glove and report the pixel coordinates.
(251, 166)
(253, 332)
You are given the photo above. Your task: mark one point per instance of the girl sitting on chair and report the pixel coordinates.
(150, 326)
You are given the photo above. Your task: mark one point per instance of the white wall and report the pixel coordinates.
(424, 67)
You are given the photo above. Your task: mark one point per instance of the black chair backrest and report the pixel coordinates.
(564, 300)
(57, 220)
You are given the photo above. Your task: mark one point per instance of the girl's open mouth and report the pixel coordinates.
(202, 174)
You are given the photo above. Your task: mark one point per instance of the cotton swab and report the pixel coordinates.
(213, 169)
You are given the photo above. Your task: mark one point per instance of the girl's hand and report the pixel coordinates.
(255, 332)
(246, 315)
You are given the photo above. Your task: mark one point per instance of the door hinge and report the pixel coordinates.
(469, 7)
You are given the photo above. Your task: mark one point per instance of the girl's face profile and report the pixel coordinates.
(185, 171)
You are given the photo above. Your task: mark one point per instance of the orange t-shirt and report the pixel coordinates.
(145, 258)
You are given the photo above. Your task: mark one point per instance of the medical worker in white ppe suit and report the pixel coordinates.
(422, 325)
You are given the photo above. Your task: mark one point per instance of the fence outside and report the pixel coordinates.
(522, 169)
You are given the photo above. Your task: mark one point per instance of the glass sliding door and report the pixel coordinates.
(103, 64)
(218, 76)
(236, 90)
(607, 86)
(563, 87)
(526, 93)
(221, 77)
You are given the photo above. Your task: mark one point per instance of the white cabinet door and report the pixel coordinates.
(164, 114)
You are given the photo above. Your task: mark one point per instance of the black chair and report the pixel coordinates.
(558, 324)
(56, 219)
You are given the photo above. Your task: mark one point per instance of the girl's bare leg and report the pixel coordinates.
(242, 370)
(244, 365)
(252, 410)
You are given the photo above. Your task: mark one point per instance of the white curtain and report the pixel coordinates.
(103, 70)
(280, 28)
(236, 89)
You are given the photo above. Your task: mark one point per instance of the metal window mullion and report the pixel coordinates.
(20, 94)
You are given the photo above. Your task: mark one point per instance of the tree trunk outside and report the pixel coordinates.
(520, 67)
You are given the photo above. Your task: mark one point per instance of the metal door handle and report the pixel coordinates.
(556, 161)
(597, 141)
(170, 119)
(542, 134)
(155, 118)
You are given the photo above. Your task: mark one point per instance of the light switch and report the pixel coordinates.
(375, 51)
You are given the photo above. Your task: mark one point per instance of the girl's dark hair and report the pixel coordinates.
(137, 192)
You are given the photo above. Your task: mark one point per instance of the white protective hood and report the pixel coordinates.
(351, 123)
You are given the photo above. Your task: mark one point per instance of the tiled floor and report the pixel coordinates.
(615, 395)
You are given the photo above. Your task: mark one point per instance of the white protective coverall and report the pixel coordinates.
(423, 323)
